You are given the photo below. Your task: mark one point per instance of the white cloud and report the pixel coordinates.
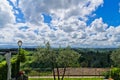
(63, 9)
(98, 26)
(69, 18)
(100, 35)
(64, 13)
(6, 14)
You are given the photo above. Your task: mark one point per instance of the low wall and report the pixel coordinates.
(83, 71)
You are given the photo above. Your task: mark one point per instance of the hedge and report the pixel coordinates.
(113, 73)
(14, 63)
(4, 69)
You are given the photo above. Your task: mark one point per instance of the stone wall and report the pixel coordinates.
(83, 71)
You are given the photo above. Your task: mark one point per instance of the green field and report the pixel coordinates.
(67, 79)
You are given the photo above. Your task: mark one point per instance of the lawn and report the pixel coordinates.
(67, 79)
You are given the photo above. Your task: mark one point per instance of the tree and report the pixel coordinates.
(57, 58)
(67, 58)
(46, 56)
(115, 56)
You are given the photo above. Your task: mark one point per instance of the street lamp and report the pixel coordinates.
(19, 43)
(18, 60)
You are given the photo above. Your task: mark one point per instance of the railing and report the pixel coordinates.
(12, 52)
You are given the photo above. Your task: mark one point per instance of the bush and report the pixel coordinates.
(114, 73)
(34, 73)
(14, 64)
(14, 69)
(3, 71)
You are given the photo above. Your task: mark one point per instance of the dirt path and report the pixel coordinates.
(67, 77)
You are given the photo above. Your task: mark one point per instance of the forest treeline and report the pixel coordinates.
(95, 58)
(90, 57)
(44, 60)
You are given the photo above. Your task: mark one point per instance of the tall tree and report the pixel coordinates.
(67, 58)
(115, 56)
(46, 56)
(61, 58)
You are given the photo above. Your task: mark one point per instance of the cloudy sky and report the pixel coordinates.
(78, 23)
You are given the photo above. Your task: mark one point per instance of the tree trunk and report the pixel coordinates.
(53, 71)
(54, 74)
(63, 73)
(58, 72)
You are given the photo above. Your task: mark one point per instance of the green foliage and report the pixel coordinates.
(44, 57)
(1, 58)
(113, 73)
(14, 70)
(14, 67)
(115, 56)
(21, 56)
(34, 73)
(97, 58)
(67, 57)
(41, 55)
(94, 58)
(39, 58)
(56, 59)
(3, 71)
(39, 73)
(62, 57)
(29, 62)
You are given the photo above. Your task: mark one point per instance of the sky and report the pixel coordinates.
(77, 23)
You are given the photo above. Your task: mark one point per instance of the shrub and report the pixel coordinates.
(3, 71)
(14, 69)
(114, 73)
(14, 64)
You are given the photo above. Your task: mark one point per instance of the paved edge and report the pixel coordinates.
(67, 76)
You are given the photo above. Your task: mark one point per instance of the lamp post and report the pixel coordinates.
(18, 61)
(19, 43)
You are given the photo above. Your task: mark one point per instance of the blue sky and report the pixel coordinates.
(78, 23)
(109, 12)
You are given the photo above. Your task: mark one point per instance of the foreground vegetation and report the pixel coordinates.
(67, 79)
(43, 60)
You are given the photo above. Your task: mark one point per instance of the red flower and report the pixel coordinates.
(21, 72)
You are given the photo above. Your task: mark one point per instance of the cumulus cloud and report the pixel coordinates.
(65, 18)
(62, 9)
(98, 26)
(6, 14)
(67, 27)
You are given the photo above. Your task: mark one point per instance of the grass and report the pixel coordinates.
(37, 73)
(67, 79)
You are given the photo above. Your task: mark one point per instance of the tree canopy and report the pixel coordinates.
(56, 58)
(115, 56)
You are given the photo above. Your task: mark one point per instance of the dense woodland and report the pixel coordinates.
(97, 58)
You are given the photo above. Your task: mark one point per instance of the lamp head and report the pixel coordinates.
(19, 43)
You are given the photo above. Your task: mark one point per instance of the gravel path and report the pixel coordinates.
(67, 77)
